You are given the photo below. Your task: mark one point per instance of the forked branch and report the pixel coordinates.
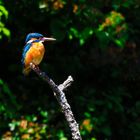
(61, 98)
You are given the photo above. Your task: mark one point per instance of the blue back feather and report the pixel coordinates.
(26, 48)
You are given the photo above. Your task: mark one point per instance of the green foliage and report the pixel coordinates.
(31, 127)
(112, 29)
(3, 17)
(26, 128)
(82, 36)
(8, 104)
(97, 43)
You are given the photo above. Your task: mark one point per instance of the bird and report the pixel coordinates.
(33, 51)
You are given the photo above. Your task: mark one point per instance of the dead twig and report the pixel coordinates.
(61, 98)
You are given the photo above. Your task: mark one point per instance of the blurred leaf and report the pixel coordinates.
(64, 138)
(74, 32)
(6, 32)
(4, 11)
(3, 30)
(93, 138)
(44, 113)
(1, 82)
(61, 134)
(87, 114)
(82, 41)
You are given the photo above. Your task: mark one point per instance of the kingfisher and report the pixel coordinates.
(34, 50)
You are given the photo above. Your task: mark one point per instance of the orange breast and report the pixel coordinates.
(35, 54)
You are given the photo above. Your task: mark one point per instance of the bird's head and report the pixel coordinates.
(37, 36)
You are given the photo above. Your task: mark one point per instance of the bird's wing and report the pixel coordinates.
(26, 48)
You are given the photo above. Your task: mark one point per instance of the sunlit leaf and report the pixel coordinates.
(6, 32)
(82, 41)
(3, 9)
(74, 31)
(87, 114)
(64, 138)
(119, 43)
(70, 37)
(1, 24)
(44, 113)
(93, 139)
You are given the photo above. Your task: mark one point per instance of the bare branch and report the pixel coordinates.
(66, 83)
(61, 98)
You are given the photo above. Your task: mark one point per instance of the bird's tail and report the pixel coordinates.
(26, 71)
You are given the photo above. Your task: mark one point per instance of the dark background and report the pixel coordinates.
(97, 43)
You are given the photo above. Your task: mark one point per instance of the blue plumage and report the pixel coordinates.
(33, 35)
(35, 55)
(26, 48)
(28, 45)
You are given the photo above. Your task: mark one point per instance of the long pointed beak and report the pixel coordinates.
(48, 39)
